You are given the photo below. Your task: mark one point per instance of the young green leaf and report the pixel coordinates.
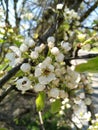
(40, 101)
(90, 66)
(55, 106)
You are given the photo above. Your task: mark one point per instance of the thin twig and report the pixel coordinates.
(41, 121)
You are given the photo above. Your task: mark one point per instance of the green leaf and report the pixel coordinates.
(55, 106)
(3, 129)
(90, 66)
(40, 101)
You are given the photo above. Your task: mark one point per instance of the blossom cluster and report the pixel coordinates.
(50, 74)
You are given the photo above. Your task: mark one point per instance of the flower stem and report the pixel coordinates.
(41, 121)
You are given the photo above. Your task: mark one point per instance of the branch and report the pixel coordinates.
(87, 13)
(11, 73)
(88, 56)
(5, 93)
(87, 27)
(7, 12)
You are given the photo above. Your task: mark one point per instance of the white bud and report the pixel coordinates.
(23, 47)
(51, 39)
(34, 55)
(31, 43)
(25, 67)
(87, 101)
(39, 87)
(50, 45)
(54, 92)
(59, 6)
(55, 51)
(60, 57)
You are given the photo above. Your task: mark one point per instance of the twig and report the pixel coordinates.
(41, 121)
(87, 13)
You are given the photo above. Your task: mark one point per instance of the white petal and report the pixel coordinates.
(23, 47)
(43, 80)
(39, 87)
(54, 92)
(37, 72)
(51, 77)
(16, 50)
(25, 67)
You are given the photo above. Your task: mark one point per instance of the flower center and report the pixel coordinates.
(46, 72)
(24, 82)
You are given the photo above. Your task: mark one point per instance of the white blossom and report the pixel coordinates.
(42, 46)
(50, 45)
(59, 57)
(66, 46)
(23, 47)
(34, 54)
(55, 51)
(29, 42)
(48, 60)
(87, 101)
(38, 49)
(16, 50)
(13, 58)
(51, 39)
(44, 72)
(54, 92)
(39, 87)
(23, 84)
(59, 6)
(68, 105)
(25, 67)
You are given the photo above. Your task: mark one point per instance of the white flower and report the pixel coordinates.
(87, 101)
(23, 47)
(66, 100)
(29, 42)
(48, 60)
(23, 84)
(55, 51)
(63, 94)
(66, 46)
(51, 39)
(16, 50)
(59, 6)
(50, 45)
(34, 55)
(39, 87)
(54, 92)
(68, 105)
(25, 67)
(44, 72)
(38, 49)
(10, 56)
(13, 58)
(76, 77)
(59, 57)
(42, 46)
